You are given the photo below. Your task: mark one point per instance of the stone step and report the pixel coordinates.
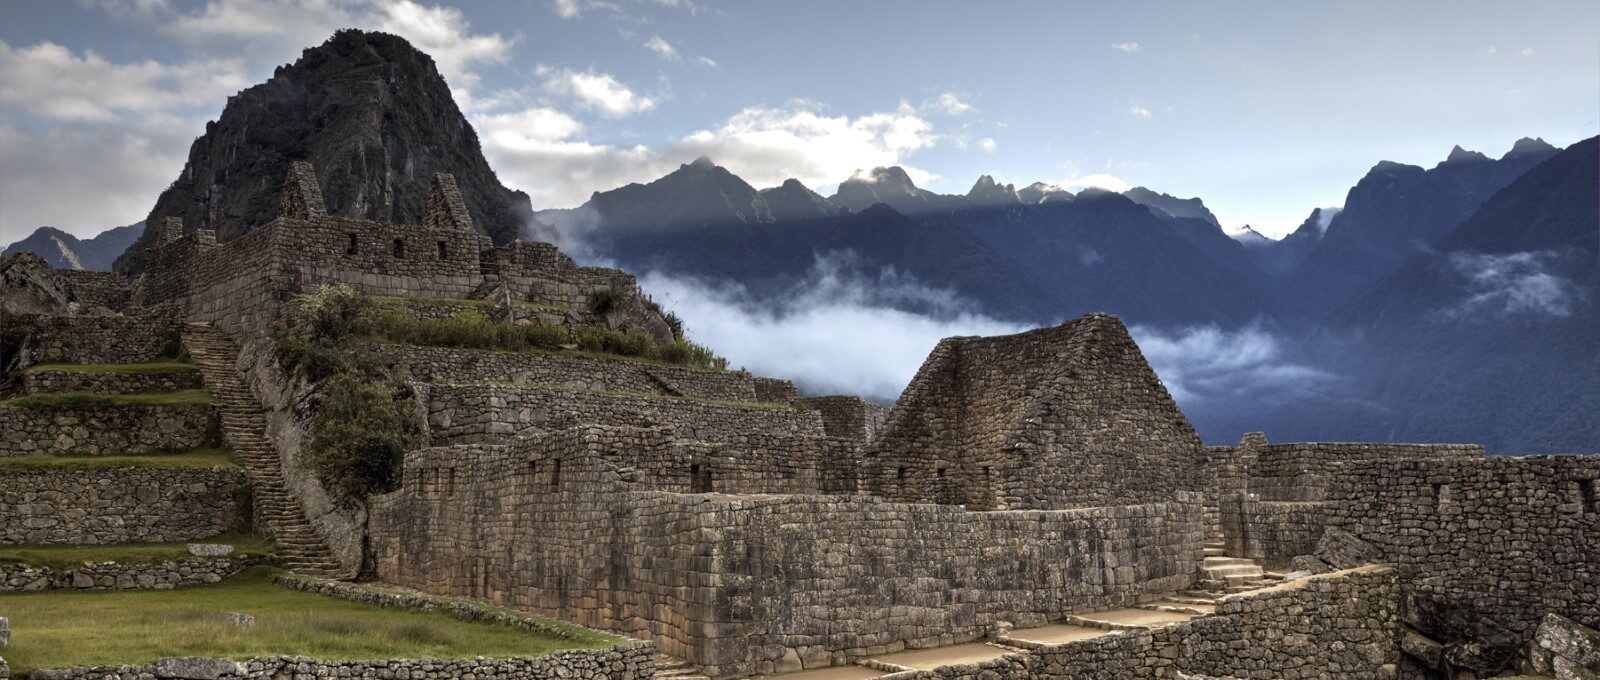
(1215, 552)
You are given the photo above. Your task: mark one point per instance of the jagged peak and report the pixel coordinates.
(1460, 155)
(1529, 145)
(893, 174)
(701, 163)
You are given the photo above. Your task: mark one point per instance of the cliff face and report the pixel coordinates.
(374, 116)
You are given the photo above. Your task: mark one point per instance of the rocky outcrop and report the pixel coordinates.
(28, 285)
(65, 251)
(374, 116)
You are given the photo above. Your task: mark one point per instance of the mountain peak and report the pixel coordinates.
(1172, 206)
(375, 118)
(1041, 192)
(702, 163)
(1460, 155)
(894, 175)
(986, 191)
(1530, 145)
(792, 200)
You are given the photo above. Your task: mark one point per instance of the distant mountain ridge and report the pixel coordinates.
(65, 251)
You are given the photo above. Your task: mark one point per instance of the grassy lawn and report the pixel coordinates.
(68, 556)
(147, 368)
(57, 629)
(193, 458)
(90, 400)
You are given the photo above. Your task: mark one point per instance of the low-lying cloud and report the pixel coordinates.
(1513, 284)
(842, 330)
(1206, 363)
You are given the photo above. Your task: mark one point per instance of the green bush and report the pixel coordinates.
(316, 328)
(686, 353)
(359, 436)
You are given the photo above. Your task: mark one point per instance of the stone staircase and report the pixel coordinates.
(673, 668)
(244, 429)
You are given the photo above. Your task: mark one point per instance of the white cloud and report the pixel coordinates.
(86, 178)
(706, 61)
(279, 29)
(841, 330)
(1128, 47)
(1526, 51)
(1099, 180)
(545, 154)
(951, 103)
(662, 48)
(49, 80)
(1138, 111)
(566, 9)
(598, 91)
(988, 144)
(1207, 363)
(1509, 285)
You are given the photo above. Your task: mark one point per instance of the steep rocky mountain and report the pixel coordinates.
(891, 186)
(1493, 335)
(375, 117)
(1040, 192)
(1172, 206)
(1397, 210)
(65, 251)
(986, 192)
(794, 201)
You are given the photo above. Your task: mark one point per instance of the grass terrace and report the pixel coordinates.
(57, 556)
(67, 401)
(193, 458)
(61, 629)
(151, 368)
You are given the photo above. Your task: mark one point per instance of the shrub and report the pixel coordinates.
(610, 298)
(359, 436)
(686, 353)
(546, 336)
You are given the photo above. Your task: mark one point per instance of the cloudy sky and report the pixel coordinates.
(1264, 109)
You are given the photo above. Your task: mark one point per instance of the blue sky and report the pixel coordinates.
(1264, 109)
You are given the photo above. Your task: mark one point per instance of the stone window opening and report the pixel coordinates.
(444, 249)
(450, 480)
(555, 474)
(1441, 495)
(900, 473)
(1588, 496)
(351, 249)
(939, 472)
(399, 248)
(699, 479)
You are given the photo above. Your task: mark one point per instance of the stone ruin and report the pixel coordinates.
(1019, 482)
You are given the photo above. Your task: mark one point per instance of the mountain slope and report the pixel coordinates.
(1492, 336)
(374, 116)
(1395, 211)
(65, 251)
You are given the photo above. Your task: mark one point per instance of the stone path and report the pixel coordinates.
(244, 428)
(673, 668)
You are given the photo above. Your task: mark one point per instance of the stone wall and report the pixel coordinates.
(622, 662)
(119, 576)
(440, 364)
(1270, 496)
(1333, 626)
(1485, 548)
(46, 381)
(123, 339)
(754, 583)
(103, 289)
(98, 505)
(848, 416)
(1565, 649)
(105, 430)
(463, 414)
(1069, 416)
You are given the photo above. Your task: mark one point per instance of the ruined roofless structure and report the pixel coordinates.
(1024, 488)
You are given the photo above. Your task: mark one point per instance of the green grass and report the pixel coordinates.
(90, 400)
(193, 458)
(69, 556)
(59, 629)
(153, 367)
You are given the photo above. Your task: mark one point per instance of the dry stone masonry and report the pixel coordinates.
(1019, 481)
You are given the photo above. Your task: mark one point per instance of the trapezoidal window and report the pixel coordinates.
(900, 473)
(1588, 496)
(1441, 495)
(555, 474)
(350, 248)
(444, 250)
(699, 479)
(399, 248)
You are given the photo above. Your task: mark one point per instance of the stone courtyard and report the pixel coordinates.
(1034, 505)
